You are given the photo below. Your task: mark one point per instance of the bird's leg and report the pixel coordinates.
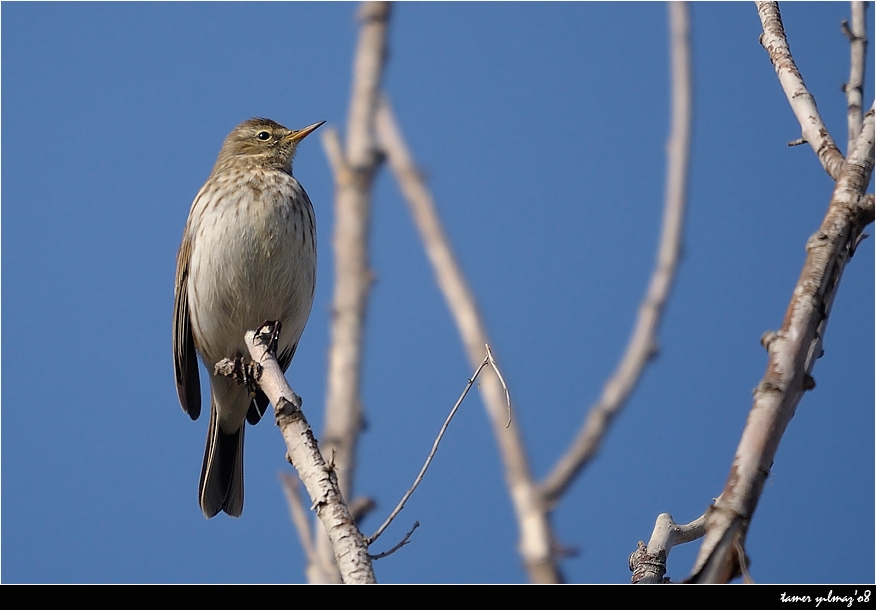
(273, 328)
(243, 373)
(268, 332)
(235, 369)
(249, 375)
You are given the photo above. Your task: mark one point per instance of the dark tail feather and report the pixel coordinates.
(221, 486)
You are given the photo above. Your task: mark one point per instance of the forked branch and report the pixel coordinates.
(802, 103)
(793, 351)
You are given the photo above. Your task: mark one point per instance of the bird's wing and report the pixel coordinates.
(185, 358)
(260, 402)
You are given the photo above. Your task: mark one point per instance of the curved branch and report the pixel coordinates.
(642, 345)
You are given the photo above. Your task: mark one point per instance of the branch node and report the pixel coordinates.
(767, 387)
(403, 542)
(330, 463)
(817, 239)
(643, 564)
(288, 410)
(229, 367)
(767, 338)
(236, 370)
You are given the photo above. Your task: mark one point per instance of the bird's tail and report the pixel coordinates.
(221, 486)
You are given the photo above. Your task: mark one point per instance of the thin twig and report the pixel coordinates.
(434, 450)
(501, 380)
(403, 542)
(642, 345)
(801, 101)
(742, 560)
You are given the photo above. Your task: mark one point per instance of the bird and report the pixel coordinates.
(248, 255)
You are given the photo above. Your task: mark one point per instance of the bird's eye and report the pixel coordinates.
(263, 136)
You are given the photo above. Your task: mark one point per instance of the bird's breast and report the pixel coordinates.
(253, 259)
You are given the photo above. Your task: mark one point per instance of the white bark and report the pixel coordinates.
(793, 351)
(801, 101)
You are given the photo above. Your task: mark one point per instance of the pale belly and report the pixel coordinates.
(253, 259)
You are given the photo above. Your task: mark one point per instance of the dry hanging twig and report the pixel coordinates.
(488, 359)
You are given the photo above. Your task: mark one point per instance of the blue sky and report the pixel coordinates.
(541, 129)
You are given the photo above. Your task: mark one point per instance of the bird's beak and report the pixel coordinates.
(297, 136)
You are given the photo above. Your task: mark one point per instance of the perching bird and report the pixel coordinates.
(248, 255)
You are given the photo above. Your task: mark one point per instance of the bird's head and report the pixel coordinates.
(262, 142)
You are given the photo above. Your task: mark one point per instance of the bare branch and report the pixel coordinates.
(536, 538)
(793, 351)
(367, 74)
(354, 174)
(642, 345)
(801, 101)
(854, 89)
(349, 546)
(432, 453)
(350, 241)
(648, 562)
